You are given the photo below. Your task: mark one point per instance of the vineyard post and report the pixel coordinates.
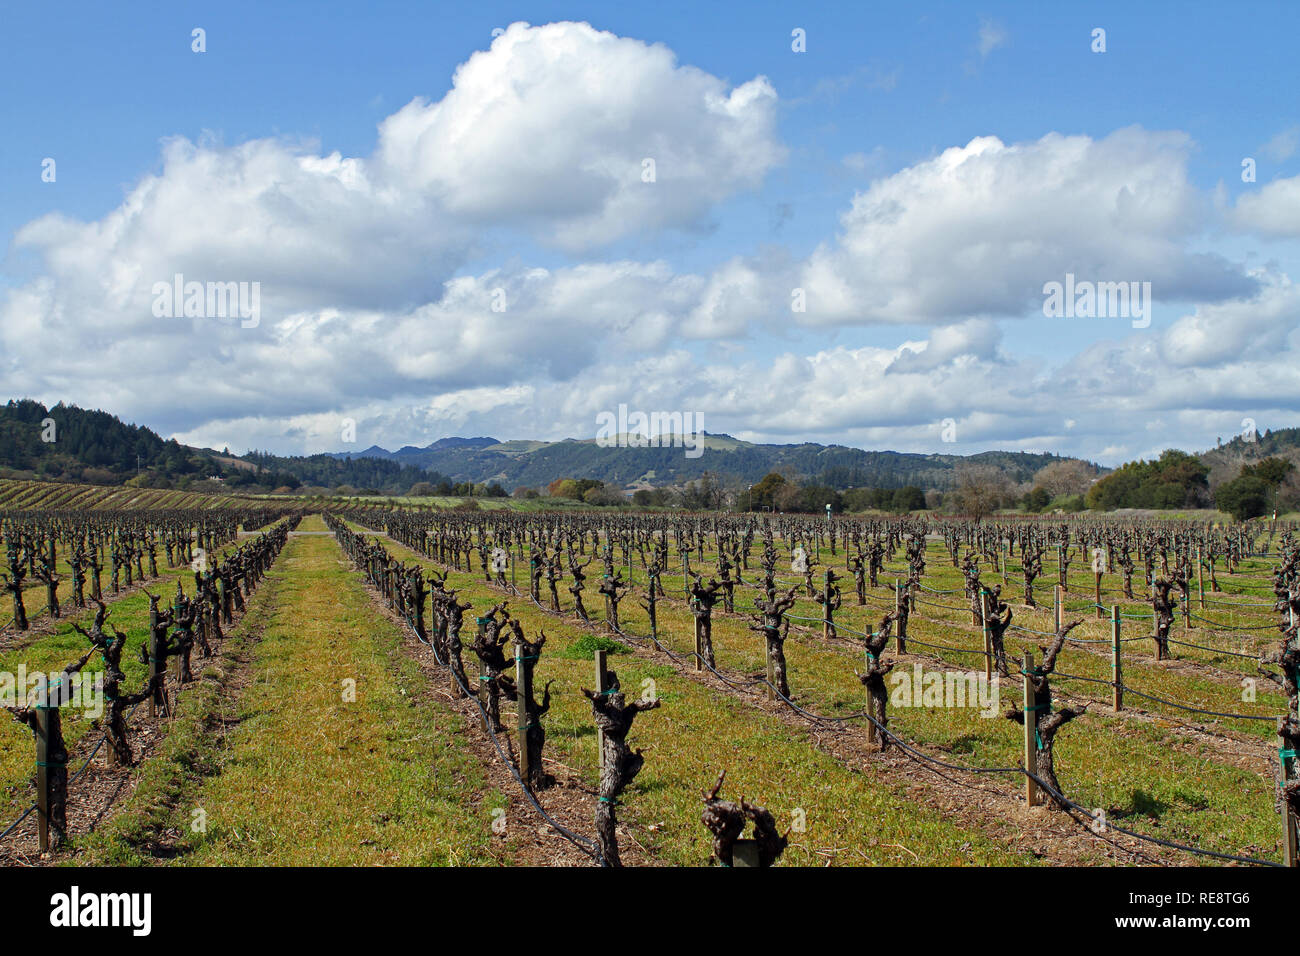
(481, 691)
(47, 728)
(1056, 608)
(524, 687)
(1097, 599)
(1060, 569)
(1200, 577)
(512, 571)
(1031, 732)
(1285, 756)
(988, 637)
(153, 658)
(826, 612)
(1116, 665)
(902, 621)
(771, 671)
(871, 724)
(602, 678)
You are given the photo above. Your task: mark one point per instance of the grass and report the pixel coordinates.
(54, 651)
(310, 776)
(1146, 771)
(863, 816)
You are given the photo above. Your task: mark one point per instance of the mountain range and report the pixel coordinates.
(536, 463)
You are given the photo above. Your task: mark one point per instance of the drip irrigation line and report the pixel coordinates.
(585, 844)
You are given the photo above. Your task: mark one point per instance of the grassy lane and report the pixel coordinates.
(306, 777)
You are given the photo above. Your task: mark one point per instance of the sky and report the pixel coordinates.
(838, 224)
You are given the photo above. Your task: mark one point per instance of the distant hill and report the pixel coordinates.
(1225, 460)
(97, 447)
(536, 464)
(71, 444)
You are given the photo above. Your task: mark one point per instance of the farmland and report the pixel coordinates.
(411, 686)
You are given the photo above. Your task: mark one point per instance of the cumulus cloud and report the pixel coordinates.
(1273, 210)
(546, 131)
(553, 127)
(979, 229)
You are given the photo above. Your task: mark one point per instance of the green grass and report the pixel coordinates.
(863, 815)
(1145, 772)
(309, 777)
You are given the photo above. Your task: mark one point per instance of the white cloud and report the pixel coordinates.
(1284, 145)
(1273, 210)
(991, 36)
(551, 127)
(979, 229)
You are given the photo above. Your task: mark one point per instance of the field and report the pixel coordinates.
(323, 725)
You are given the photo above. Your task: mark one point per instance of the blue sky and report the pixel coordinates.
(923, 274)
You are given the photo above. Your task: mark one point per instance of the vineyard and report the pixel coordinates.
(415, 686)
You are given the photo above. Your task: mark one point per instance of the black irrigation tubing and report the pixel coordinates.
(14, 826)
(30, 810)
(1215, 650)
(1066, 801)
(1231, 627)
(585, 844)
(944, 647)
(1193, 710)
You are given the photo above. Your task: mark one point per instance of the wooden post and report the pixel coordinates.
(480, 692)
(872, 733)
(988, 636)
(1116, 665)
(47, 721)
(153, 656)
(1097, 598)
(1200, 577)
(771, 670)
(826, 608)
(1056, 607)
(602, 680)
(524, 686)
(1031, 733)
(902, 621)
(1289, 841)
